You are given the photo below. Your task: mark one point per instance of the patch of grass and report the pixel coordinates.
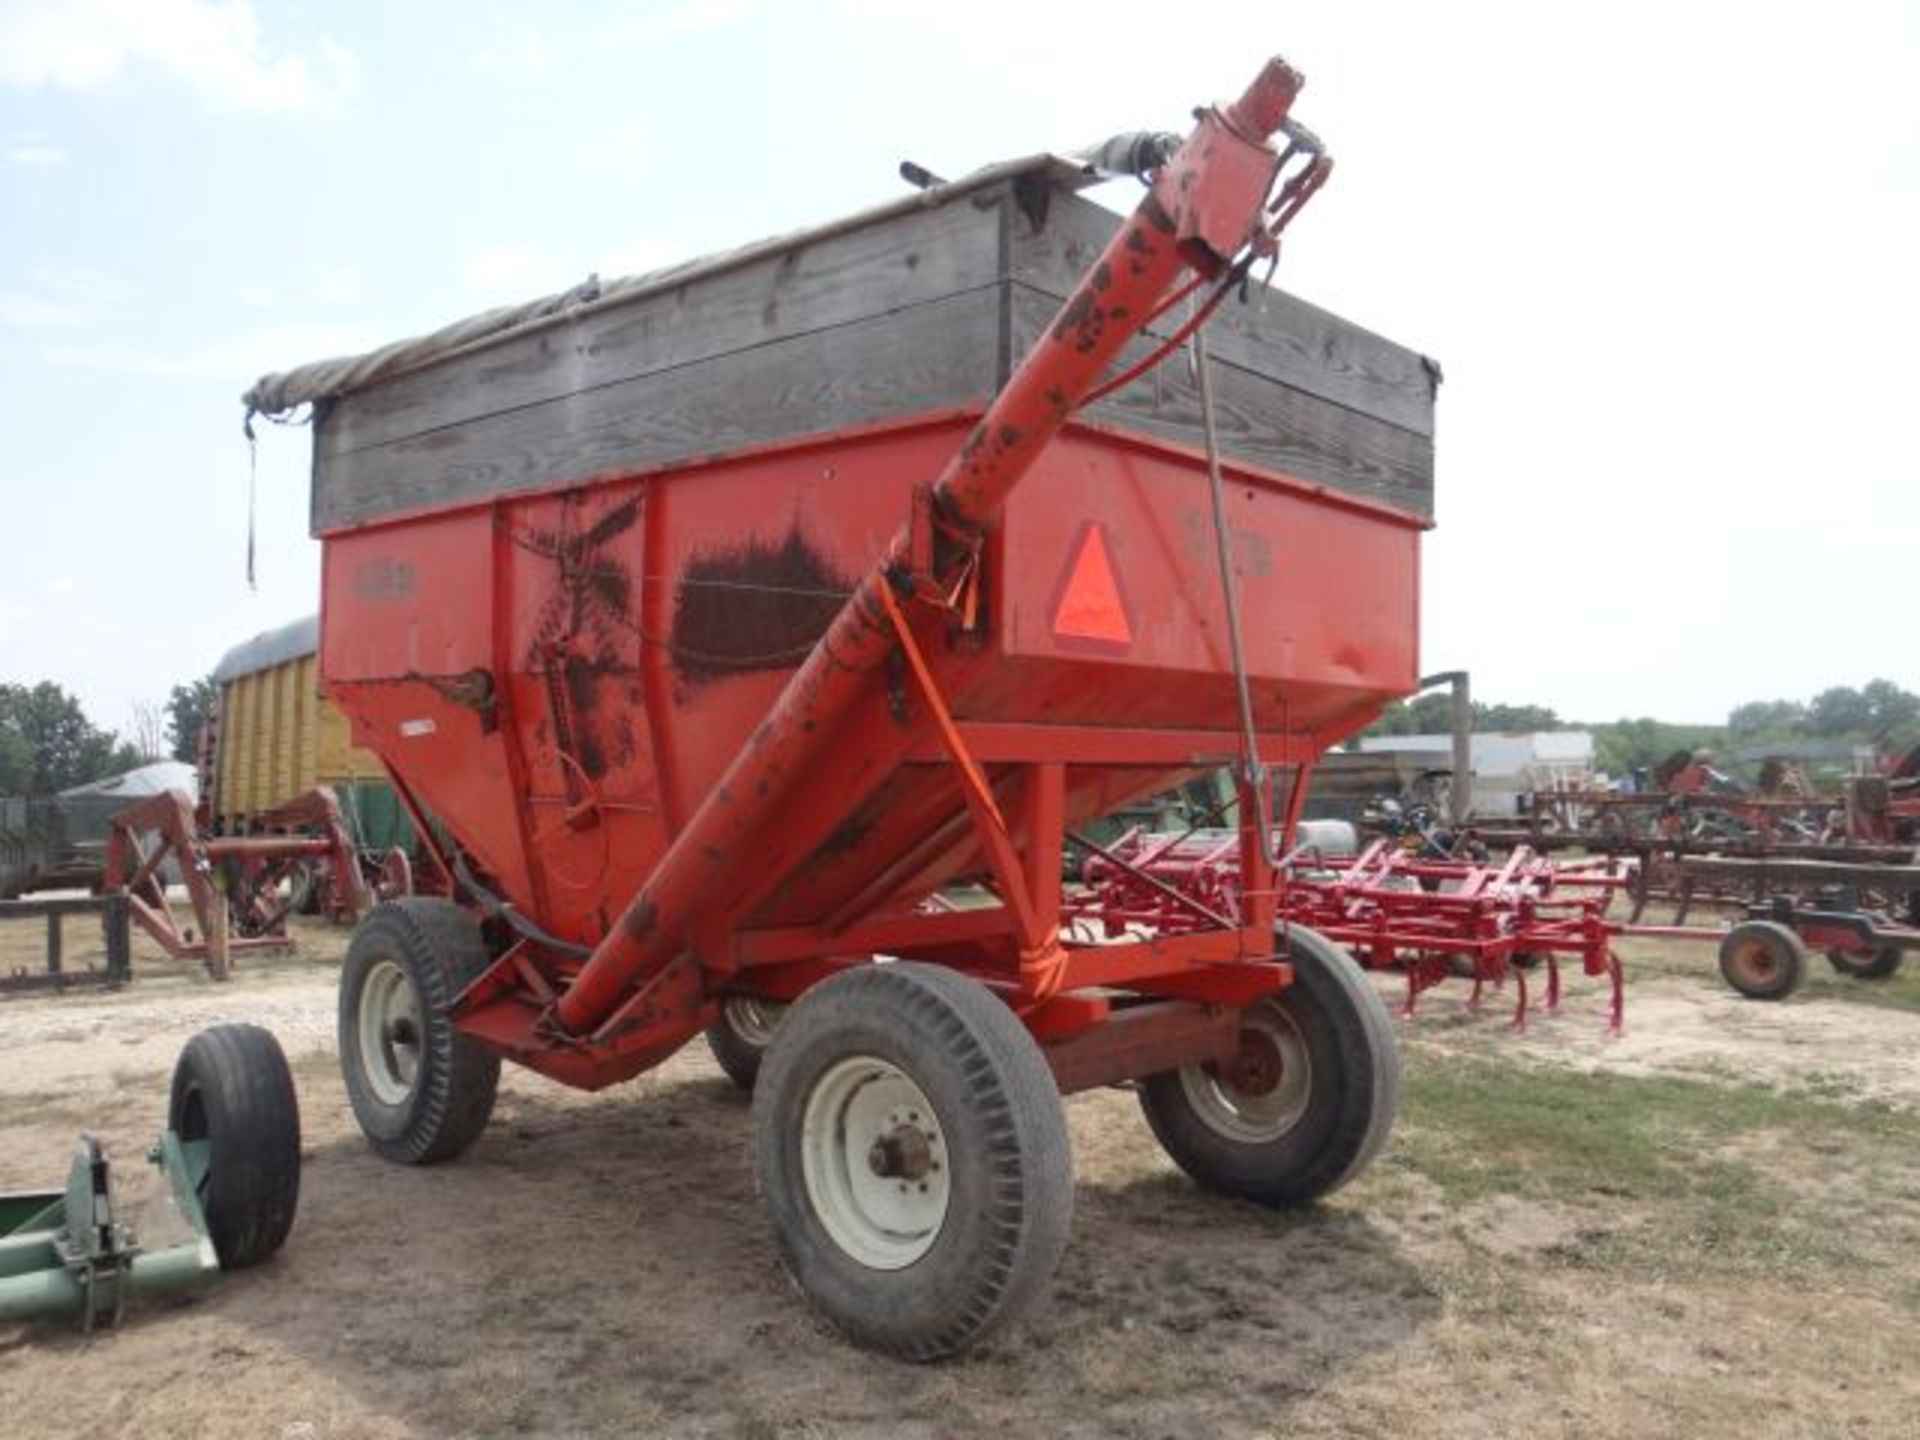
(1678, 1155)
(1899, 991)
(1831, 1085)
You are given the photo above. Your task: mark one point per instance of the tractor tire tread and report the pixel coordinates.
(1010, 1099)
(1357, 1037)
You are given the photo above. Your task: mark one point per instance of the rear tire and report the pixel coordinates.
(913, 1157)
(1763, 960)
(1877, 964)
(1307, 1103)
(739, 1038)
(421, 1091)
(233, 1107)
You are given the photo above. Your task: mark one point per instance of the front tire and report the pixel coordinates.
(912, 1153)
(232, 1106)
(421, 1091)
(1308, 1101)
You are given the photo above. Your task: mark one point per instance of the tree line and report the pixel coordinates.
(49, 744)
(1879, 714)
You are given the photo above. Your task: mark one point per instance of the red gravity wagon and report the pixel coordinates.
(750, 638)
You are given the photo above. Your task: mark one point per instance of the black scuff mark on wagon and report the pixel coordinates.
(581, 676)
(1139, 250)
(754, 607)
(849, 832)
(641, 921)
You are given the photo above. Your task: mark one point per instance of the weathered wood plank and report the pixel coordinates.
(915, 312)
(908, 260)
(1274, 334)
(921, 358)
(1260, 420)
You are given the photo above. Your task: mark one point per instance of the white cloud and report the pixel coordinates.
(34, 150)
(515, 272)
(214, 47)
(256, 296)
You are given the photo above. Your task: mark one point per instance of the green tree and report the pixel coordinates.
(188, 708)
(1627, 745)
(1891, 711)
(1514, 717)
(16, 760)
(1758, 715)
(1841, 710)
(1432, 714)
(63, 747)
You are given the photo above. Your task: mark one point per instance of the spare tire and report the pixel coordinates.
(233, 1108)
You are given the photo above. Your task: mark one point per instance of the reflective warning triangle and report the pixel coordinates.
(1090, 606)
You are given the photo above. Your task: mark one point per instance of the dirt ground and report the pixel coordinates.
(1707, 1227)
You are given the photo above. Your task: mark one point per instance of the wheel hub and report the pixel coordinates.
(390, 1032)
(873, 1157)
(903, 1153)
(1754, 962)
(1255, 1067)
(1263, 1091)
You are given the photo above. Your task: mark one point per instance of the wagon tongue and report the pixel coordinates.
(1206, 211)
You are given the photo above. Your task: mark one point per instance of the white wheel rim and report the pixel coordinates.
(753, 1021)
(390, 1033)
(1261, 1115)
(863, 1116)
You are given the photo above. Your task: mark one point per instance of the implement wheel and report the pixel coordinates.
(913, 1157)
(1308, 1101)
(1763, 960)
(233, 1107)
(739, 1038)
(421, 1091)
(1879, 963)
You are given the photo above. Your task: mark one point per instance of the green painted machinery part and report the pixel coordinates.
(62, 1253)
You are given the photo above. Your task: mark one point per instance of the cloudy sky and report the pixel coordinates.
(1665, 252)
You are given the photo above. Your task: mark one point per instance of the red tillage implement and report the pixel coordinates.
(710, 735)
(1488, 921)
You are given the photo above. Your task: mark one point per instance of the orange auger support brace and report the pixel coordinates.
(1207, 206)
